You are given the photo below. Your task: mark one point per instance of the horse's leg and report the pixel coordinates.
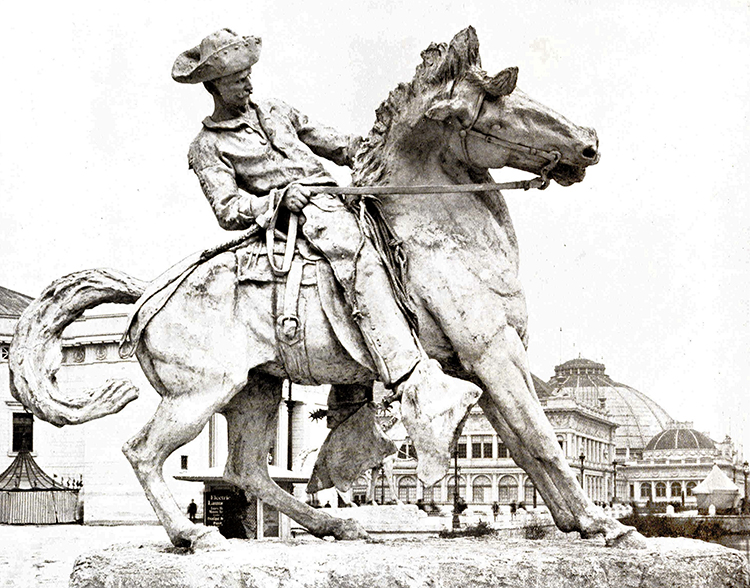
(558, 507)
(251, 426)
(177, 421)
(504, 370)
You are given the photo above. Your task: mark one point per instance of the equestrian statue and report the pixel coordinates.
(409, 276)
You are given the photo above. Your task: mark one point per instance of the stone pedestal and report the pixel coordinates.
(416, 563)
(403, 518)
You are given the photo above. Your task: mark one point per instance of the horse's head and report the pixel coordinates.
(497, 125)
(483, 120)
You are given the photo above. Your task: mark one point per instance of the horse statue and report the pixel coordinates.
(214, 345)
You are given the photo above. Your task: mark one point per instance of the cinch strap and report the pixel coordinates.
(288, 322)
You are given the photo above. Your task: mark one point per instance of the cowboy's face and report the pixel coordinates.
(235, 89)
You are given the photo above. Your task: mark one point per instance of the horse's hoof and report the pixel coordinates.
(629, 538)
(207, 538)
(350, 530)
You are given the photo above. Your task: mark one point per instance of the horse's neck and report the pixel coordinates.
(437, 169)
(445, 170)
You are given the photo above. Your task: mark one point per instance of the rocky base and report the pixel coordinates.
(416, 563)
(403, 518)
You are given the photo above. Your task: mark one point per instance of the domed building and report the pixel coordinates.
(675, 461)
(622, 444)
(638, 417)
(488, 474)
(656, 459)
(618, 441)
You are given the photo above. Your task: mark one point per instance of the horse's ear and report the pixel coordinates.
(444, 109)
(465, 46)
(503, 83)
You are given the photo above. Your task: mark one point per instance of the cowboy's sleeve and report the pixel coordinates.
(324, 141)
(235, 209)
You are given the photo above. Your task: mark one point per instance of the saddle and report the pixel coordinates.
(305, 268)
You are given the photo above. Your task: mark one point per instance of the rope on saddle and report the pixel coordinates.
(390, 249)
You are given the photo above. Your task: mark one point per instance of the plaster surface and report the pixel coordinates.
(416, 563)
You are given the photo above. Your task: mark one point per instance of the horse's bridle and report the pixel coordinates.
(553, 157)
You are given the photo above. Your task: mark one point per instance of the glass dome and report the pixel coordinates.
(679, 437)
(638, 417)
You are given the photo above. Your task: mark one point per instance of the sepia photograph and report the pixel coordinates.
(375, 294)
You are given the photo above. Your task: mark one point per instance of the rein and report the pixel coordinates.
(538, 182)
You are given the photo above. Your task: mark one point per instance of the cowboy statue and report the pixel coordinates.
(219, 331)
(256, 161)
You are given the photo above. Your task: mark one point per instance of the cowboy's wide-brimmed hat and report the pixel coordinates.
(220, 54)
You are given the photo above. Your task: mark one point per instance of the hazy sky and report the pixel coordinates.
(644, 266)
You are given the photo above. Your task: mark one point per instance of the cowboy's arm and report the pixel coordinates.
(324, 141)
(234, 208)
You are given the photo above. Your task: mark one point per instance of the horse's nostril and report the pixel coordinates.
(589, 152)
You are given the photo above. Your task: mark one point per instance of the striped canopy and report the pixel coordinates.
(29, 496)
(24, 474)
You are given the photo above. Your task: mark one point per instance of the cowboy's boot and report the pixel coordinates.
(356, 445)
(434, 405)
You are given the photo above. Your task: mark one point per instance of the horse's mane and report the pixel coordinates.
(441, 63)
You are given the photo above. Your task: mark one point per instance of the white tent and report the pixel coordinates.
(717, 489)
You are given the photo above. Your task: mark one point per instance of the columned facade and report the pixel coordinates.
(487, 472)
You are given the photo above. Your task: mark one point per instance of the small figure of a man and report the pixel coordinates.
(192, 510)
(256, 160)
(495, 510)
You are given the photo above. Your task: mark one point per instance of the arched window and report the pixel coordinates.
(646, 490)
(431, 493)
(675, 490)
(407, 489)
(661, 490)
(461, 487)
(507, 490)
(528, 492)
(689, 488)
(359, 490)
(382, 491)
(481, 489)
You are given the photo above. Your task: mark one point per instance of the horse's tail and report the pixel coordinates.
(36, 352)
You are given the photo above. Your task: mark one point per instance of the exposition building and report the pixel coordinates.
(621, 443)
